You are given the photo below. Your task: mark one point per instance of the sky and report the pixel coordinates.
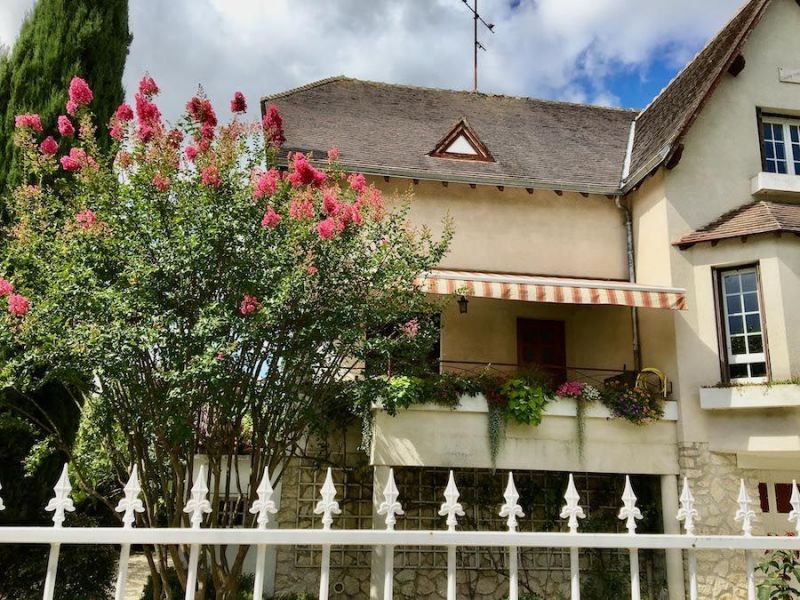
(609, 52)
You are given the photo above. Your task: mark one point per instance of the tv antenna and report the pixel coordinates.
(476, 17)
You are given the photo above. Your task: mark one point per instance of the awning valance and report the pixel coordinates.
(558, 290)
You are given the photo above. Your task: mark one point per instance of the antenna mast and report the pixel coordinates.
(476, 17)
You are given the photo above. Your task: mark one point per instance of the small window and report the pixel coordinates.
(781, 145)
(743, 325)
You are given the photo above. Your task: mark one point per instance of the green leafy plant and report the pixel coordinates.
(781, 576)
(526, 400)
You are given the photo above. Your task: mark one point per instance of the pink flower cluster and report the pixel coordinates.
(80, 94)
(358, 183)
(571, 389)
(18, 305)
(49, 146)
(148, 87)
(333, 155)
(86, 218)
(238, 104)
(410, 328)
(65, 127)
(250, 304)
(6, 288)
(160, 182)
(31, 121)
(301, 209)
(210, 177)
(266, 183)
(76, 160)
(273, 127)
(271, 219)
(303, 172)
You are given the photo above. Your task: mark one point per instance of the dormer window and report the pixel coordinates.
(462, 143)
(781, 145)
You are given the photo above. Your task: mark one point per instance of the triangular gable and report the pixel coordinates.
(462, 143)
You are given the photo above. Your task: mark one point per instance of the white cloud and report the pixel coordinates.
(553, 48)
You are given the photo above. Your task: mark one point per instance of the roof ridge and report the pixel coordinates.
(338, 78)
(710, 41)
(769, 206)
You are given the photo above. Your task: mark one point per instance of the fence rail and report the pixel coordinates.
(198, 506)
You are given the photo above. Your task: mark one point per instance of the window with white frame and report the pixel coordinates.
(781, 145)
(743, 324)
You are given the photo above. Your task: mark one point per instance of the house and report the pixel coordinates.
(592, 241)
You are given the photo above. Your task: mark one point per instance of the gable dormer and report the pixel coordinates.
(462, 143)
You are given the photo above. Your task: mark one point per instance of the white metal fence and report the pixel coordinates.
(391, 508)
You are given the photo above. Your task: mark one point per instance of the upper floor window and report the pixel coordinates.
(781, 145)
(743, 325)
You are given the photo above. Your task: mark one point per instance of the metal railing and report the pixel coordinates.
(391, 508)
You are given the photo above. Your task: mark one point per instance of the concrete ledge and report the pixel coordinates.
(750, 396)
(775, 184)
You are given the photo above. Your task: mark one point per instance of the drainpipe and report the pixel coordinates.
(628, 217)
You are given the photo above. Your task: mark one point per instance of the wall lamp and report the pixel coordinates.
(463, 304)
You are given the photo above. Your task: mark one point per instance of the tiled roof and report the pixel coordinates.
(391, 129)
(663, 123)
(747, 220)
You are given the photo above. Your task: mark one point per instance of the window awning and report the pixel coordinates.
(560, 290)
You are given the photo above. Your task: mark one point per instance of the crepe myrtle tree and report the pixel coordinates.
(216, 303)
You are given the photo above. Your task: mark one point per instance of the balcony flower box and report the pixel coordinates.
(750, 396)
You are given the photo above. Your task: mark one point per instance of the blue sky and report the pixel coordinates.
(611, 52)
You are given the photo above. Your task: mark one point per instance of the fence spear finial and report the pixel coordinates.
(451, 508)
(198, 504)
(131, 503)
(687, 512)
(61, 501)
(629, 512)
(2, 506)
(390, 506)
(327, 507)
(745, 514)
(573, 510)
(264, 506)
(794, 515)
(511, 509)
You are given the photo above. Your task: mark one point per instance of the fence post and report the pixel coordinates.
(794, 514)
(59, 503)
(129, 505)
(512, 510)
(451, 508)
(391, 508)
(629, 513)
(573, 512)
(197, 506)
(327, 507)
(263, 507)
(687, 513)
(746, 515)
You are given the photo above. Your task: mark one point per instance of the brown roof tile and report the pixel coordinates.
(750, 219)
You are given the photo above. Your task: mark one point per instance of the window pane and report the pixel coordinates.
(795, 133)
(749, 282)
(780, 152)
(731, 284)
(755, 344)
(738, 346)
(777, 132)
(750, 302)
(758, 370)
(734, 305)
(769, 149)
(753, 323)
(735, 325)
(738, 371)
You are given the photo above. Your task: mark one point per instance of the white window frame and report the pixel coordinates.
(791, 154)
(747, 358)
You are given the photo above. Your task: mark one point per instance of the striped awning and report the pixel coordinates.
(529, 288)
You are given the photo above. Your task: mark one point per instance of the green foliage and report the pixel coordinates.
(496, 430)
(633, 404)
(60, 39)
(244, 587)
(526, 400)
(781, 576)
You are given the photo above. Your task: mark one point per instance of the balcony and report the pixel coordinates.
(775, 184)
(750, 397)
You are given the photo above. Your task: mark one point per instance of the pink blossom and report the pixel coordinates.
(250, 304)
(207, 131)
(571, 389)
(304, 173)
(273, 127)
(266, 183)
(72, 107)
(18, 305)
(145, 132)
(148, 87)
(271, 219)
(86, 218)
(124, 112)
(357, 182)
(333, 155)
(301, 210)
(49, 146)
(6, 288)
(238, 104)
(210, 176)
(147, 112)
(200, 110)
(327, 229)
(330, 203)
(123, 159)
(31, 121)
(161, 183)
(76, 160)
(79, 94)
(191, 153)
(410, 328)
(175, 137)
(312, 270)
(116, 131)
(65, 127)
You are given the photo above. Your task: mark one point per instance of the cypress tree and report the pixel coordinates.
(58, 40)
